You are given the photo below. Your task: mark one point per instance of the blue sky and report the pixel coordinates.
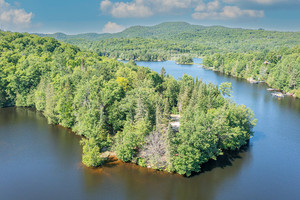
(80, 16)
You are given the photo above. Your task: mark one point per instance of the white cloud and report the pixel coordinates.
(112, 27)
(212, 9)
(200, 7)
(210, 6)
(235, 12)
(125, 10)
(14, 18)
(228, 12)
(105, 5)
(262, 2)
(169, 5)
(143, 8)
(135, 9)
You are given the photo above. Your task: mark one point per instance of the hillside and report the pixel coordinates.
(160, 30)
(205, 35)
(234, 51)
(171, 40)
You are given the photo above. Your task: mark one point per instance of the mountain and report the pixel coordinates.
(161, 30)
(172, 39)
(182, 31)
(62, 36)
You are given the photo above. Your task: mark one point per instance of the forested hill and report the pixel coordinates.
(172, 39)
(120, 107)
(238, 52)
(164, 30)
(184, 31)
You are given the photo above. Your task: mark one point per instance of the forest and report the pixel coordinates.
(122, 108)
(184, 60)
(279, 68)
(173, 39)
(270, 56)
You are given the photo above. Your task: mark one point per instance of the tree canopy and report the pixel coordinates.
(280, 68)
(121, 107)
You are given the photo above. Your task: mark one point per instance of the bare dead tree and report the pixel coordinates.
(155, 149)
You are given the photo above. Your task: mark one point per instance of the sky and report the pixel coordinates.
(110, 16)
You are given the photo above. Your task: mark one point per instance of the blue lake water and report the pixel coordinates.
(40, 161)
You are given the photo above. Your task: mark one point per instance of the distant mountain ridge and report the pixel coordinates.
(163, 30)
(169, 40)
(131, 32)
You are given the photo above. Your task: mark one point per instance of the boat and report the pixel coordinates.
(278, 94)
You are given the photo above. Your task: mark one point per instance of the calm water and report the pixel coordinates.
(40, 161)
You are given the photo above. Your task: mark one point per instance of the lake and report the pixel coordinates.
(41, 161)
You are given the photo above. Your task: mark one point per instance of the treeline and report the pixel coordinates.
(270, 56)
(138, 49)
(279, 68)
(184, 60)
(121, 107)
(170, 40)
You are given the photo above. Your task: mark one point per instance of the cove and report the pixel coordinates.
(38, 160)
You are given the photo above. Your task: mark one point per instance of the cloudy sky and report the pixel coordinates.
(78, 16)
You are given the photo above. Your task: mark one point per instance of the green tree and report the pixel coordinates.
(91, 156)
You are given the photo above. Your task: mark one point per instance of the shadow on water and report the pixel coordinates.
(224, 160)
(52, 153)
(41, 161)
(130, 181)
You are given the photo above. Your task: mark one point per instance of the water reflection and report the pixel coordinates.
(42, 161)
(133, 182)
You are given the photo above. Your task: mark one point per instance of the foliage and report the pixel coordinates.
(121, 107)
(91, 153)
(173, 39)
(209, 124)
(226, 89)
(184, 60)
(279, 68)
(238, 52)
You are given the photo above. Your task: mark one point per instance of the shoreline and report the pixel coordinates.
(207, 166)
(255, 82)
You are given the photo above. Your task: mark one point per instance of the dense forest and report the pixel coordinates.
(121, 108)
(172, 39)
(184, 60)
(279, 68)
(270, 56)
